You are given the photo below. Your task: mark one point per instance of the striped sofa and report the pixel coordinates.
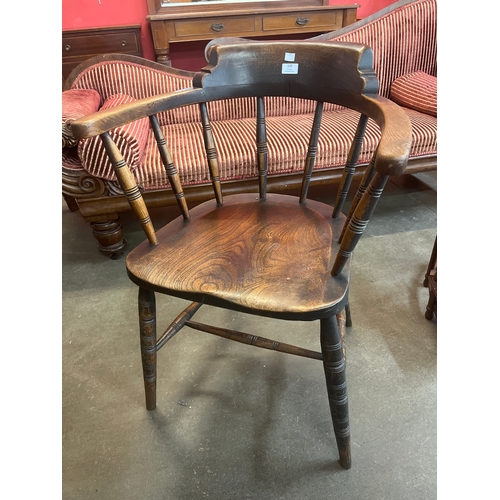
(403, 38)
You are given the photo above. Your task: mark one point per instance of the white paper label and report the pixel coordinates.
(290, 69)
(289, 56)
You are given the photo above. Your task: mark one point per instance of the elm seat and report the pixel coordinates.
(273, 255)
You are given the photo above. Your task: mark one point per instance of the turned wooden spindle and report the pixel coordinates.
(350, 166)
(129, 186)
(311, 151)
(359, 221)
(169, 165)
(261, 148)
(211, 153)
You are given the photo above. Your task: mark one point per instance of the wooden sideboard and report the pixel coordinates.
(189, 25)
(79, 45)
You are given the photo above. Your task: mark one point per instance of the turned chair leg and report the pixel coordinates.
(147, 323)
(334, 365)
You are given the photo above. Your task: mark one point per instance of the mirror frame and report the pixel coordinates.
(160, 7)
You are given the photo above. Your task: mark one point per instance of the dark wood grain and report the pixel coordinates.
(147, 322)
(79, 45)
(273, 257)
(190, 21)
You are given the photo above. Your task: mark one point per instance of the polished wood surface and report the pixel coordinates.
(273, 257)
(82, 44)
(265, 254)
(207, 21)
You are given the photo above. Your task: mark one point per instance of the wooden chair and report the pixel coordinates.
(272, 255)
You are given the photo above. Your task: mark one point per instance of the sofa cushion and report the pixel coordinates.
(417, 91)
(75, 104)
(130, 140)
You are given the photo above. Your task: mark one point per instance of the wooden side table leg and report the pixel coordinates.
(432, 263)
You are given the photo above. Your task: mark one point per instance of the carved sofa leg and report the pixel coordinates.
(110, 237)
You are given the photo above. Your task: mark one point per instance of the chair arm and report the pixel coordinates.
(395, 143)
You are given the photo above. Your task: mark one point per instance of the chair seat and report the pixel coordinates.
(273, 256)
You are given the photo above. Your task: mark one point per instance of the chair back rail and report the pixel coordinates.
(339, 73)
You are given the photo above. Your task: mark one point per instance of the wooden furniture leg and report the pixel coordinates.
(71, 202)
(432, 263)
(147, 323)
(334, 366)
(348, 320)
(109, 235)
(430, 281)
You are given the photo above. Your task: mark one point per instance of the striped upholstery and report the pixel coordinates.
(287, 143)
(137, 81)
(403, 41)
(130, 140)
(75, 104)
(416, 91)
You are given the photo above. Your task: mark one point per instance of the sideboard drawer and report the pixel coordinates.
(303, 21)
(79, 45)
(99, 44)
(214, 26)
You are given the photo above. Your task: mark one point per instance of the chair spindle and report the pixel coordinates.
(350, 166)
(129, 186)
(211, 153)
(311, 151)
(365, 181)
(359, 220)
(169, 165)
(261, 148)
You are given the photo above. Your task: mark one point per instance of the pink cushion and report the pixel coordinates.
(130, 139)
(416, 91)
(75, 104)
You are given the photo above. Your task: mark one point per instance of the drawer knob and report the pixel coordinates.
(302, 21)
(124, 43)
(217, 26)
(67, 47)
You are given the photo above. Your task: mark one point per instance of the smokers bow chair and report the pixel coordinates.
(272, 255)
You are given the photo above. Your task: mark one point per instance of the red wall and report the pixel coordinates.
(100, 13)
(366, 7)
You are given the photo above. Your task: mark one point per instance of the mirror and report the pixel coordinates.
(156, 7)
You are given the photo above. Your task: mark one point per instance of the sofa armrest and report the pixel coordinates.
(139, 78)
(131, 139)
(75, 104)
(402, 36)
